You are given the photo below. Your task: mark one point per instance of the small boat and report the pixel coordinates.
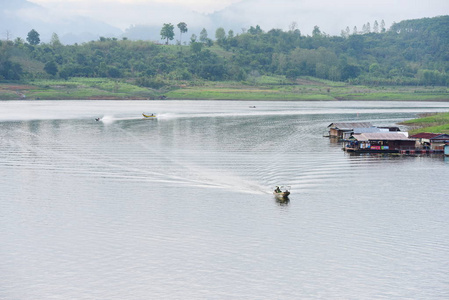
(281, 191)
(252, 107)
(148, 116)
(97, 119)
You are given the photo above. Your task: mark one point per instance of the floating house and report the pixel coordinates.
(345, 130)
(431, 141)
(380, 142)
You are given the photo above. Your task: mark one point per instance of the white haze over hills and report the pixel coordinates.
(84, 20)
(18, 17)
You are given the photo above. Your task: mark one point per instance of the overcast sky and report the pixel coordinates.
(330, 15)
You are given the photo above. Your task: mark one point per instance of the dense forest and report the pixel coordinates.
(411, 52)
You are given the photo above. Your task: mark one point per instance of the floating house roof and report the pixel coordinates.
(425, 135)
(431, 136)
(369, 130)
(350, 126)
(381, 136)
(441, 137)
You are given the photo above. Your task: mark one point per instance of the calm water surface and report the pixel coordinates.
(181, 207)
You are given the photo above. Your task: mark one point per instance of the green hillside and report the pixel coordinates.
(413, 54)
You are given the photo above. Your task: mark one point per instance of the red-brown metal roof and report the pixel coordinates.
(425, 135)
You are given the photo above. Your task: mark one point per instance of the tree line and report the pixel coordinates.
(411, 52)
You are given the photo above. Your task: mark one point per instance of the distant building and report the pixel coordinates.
(345, 130)
(380, 142)
(432, 141)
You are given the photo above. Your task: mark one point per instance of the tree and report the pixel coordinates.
(182, 29)
(10, 70)
(316, 31)
(18, 42)
(345, 33)
(55, 42)
(368, 27)
(196, 47)
(293, 26)
(51, 68)
(33, 37)
(382, 26)
(220, 35)
(203, 36)
(355, 30)
(168, 32)
(376, 27)
(8, 35)
(375, 70)
(114, 72)
(255, 30)
(193, 38)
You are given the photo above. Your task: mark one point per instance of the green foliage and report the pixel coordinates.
(182, 29)
(86, 88)
(196, 47)
(220, 35)
(33, 37)
(437, 123)
(10, 70)
(51, 68)
(316, 31)
(167, 32)
(151, 82)
(412, 52)
(203, 35)
(436, 119)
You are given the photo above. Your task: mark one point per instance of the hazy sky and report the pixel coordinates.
(330, 15)
(205, 6)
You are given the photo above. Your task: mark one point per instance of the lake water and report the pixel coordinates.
(181, 207)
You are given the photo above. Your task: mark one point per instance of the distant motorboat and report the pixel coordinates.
(282, 191)
(97, 119)
(152, 116)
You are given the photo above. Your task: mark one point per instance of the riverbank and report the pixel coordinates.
(262, 88)
(434, 123)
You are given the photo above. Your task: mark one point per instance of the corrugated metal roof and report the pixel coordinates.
(385, 136)
(370, 129)
(424, 135)
(351, 125)
(441, 137)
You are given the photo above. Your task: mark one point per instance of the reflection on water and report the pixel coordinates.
(282, 201)
(182, 206)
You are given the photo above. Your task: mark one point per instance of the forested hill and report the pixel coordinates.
(409, 52)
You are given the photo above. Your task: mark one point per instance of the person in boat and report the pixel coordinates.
(277, 190)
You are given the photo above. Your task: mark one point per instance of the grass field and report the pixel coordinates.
(437, 123)
(255, 88)
(75, 88)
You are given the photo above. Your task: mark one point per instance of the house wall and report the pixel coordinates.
(335, 132)
(437, 146)
(387, 145)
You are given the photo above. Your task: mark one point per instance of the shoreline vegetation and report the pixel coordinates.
(407, 62)
(273, 88)
(432, 123)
